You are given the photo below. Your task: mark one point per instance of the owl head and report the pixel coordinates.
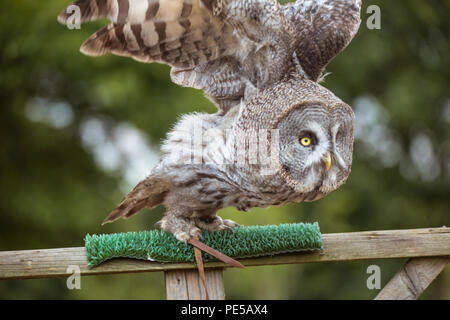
(310, 135)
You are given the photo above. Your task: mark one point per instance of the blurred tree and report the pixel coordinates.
(77, 132)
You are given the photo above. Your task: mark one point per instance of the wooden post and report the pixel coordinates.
(187, 285)
(415, 276)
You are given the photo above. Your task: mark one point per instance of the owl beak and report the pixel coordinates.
(327, 161)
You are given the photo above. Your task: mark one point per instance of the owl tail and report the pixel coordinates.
(147, 194)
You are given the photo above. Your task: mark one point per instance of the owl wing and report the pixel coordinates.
(148, 193)
(324, 28)
(198, 38)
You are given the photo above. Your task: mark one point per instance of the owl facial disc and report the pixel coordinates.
(315, 147)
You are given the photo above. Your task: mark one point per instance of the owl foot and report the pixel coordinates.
(183, 228)
(215, 223)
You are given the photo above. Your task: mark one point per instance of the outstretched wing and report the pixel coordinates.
(181, 33)
(324, 28)
(148, 193)
(201, 39)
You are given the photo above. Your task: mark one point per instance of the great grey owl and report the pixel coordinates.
(278, 136)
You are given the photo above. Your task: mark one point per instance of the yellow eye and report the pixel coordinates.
(305, 141)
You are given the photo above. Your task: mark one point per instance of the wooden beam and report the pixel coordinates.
(186, 285)
(415, 276)
(352, 246)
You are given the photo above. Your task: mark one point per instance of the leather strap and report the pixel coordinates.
(219, 255)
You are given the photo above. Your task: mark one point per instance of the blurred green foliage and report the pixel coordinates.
(54, 190)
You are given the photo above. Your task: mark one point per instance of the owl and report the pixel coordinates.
(278, 136)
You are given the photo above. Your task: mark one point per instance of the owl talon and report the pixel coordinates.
(227, 228)
(231, 223)
(185, 236)
(215, 223)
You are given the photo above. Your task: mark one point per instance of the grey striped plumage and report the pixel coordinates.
(259, 62)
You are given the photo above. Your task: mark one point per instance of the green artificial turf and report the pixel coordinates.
(244, 242)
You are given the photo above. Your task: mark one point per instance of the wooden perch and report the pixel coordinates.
(48, 263)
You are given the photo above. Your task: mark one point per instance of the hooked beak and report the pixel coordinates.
(327, 161)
